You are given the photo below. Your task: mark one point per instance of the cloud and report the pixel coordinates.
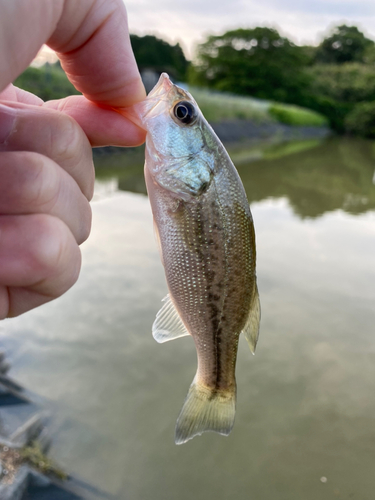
(336, 8)
(190, 21)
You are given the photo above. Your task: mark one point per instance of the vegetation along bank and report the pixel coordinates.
(265, 77)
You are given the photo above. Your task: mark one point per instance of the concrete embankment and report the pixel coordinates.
(26, 432)
(232, 131)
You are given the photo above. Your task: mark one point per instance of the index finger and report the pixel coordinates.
(90, 36)
(95, 52)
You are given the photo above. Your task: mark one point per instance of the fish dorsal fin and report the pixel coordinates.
(168, 325)
(251, 329)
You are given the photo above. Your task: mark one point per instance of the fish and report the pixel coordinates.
(206, 239)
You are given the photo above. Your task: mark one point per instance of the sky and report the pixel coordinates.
(190, 21)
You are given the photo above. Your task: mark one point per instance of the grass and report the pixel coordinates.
(34, 456)
(218, 107)
(50, 82)
(294, 115)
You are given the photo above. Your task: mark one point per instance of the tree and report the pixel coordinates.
(335, 89)
(258, 62)
(350, 82)
(158, 55)
(345, 44)
(361, 119)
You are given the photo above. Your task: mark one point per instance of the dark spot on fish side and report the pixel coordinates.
(203, 187)
(214, 315)
(213, 297)
(210, 275)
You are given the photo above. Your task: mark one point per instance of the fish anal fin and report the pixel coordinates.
(205, 410)
(251, 328)
(168, 324)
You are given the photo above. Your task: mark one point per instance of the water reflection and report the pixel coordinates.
(335, 174)
(315, 176)
(306, 401)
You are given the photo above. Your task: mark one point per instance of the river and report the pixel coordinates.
(305, 423)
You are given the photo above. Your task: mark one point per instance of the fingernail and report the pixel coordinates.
(7, 122)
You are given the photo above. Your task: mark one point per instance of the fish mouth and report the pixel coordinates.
(138, 113)
(163, 86)
(158, 95)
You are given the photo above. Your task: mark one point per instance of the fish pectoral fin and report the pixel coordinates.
(168, 325)
(251, 329)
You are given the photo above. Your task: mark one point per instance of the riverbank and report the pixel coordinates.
(232, 131)
(28, 427)
(237, 132)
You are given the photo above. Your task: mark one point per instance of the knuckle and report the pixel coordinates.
(48, 248)
(71, 149)
(65, 139)
(38, 188)
(56, 254)
(86, 221)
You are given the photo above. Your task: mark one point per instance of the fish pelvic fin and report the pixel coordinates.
(251, 328)
(168, 325)
(204, 410)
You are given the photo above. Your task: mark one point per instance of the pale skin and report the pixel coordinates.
(46, 168)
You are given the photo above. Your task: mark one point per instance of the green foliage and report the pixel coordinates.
(349, 82)
(260, 63)
(257, 62)
(369, 55)
(361, 120)
(334, 89)
(309, 54)
(345, 44)
(334, 111)
(294, 115)
(156, 54)
(47, 82)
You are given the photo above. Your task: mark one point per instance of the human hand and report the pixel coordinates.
(46, 169)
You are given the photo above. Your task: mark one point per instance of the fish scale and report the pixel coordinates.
(207, 243)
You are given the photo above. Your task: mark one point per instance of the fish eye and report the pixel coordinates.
(185, 112)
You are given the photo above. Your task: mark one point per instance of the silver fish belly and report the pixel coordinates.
(207, 242)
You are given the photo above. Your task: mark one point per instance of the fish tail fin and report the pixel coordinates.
(204, 410)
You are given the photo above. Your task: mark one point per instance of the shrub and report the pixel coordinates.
(361, 120)
(350, 82)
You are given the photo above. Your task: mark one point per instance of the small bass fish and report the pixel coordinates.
(207, 242)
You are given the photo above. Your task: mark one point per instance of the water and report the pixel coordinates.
(305, 425)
